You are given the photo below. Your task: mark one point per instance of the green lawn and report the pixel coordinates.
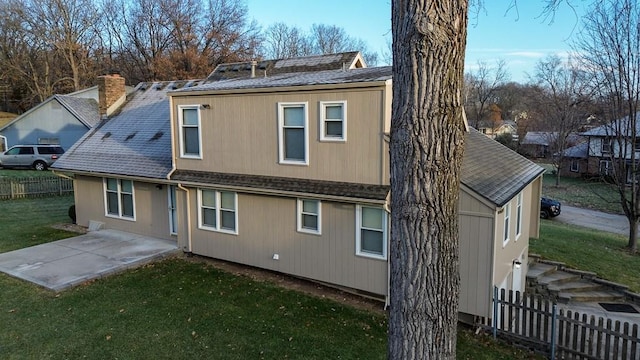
(24, 173)
(27, 222)
(582, 193)
(590, 250)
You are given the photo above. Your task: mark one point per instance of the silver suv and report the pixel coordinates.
(39, 157)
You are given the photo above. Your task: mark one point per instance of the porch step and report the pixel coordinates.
(591, 296)
(538, 270)
(557, 277)
(574, 286)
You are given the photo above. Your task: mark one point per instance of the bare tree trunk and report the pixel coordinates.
(633, 235)
(427, 136)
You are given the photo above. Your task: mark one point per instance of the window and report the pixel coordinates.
(606, 145)
(519, 216)
(605, 167)
(309, 220)
(49, 141)
(293, 144)
(119, 200)
(190, 135)
(507, 215)
(27, 150)
(333, 121)
(636, 144)
(217, 211)
(575, 166)
(371, 232)
(173, 213)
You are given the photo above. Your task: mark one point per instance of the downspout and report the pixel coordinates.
(386, 297)
(179, 185)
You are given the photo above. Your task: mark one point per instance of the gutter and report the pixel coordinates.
(64, 176)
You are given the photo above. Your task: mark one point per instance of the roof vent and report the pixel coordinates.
(143, 86)
(106, 135)
(157, 136)
(130, 136)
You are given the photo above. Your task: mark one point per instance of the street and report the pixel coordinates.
(593, 219)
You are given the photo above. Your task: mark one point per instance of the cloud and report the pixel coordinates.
(527, 54)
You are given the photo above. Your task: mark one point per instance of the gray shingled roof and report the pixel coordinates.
(280, 66)
(494, 171)
(297, 79)
(85, 109)
(135, 142)
(619, 126)
(579, 151)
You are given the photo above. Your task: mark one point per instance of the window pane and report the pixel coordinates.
(294, 116)
(310, 222)
(228, 219)
(127, 205)
(112, 203)
(333, 128)
(127, 186)
(310, 206)
(334, 112)
(191, 140)
(371, 241)
(372, 218)
(209, 217)
(208, 198)
(294, 144)
(112, 184)
(26, 151)
(190, 117)
(227, 201)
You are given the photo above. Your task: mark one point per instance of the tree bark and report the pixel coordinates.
(426, 148)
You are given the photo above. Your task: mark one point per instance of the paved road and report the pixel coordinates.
(617, 224)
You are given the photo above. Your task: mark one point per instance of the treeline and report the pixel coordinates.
(59, 46)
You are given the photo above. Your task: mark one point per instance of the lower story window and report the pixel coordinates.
(575, 165)
(309, 216)
(218, 211)
(119, 198)
(371, 232)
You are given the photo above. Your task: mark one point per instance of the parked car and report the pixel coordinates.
(549, 208)
(38, 157)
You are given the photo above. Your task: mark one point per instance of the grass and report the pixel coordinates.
(23, 173)
(27, 222)
(590, 250)
(594, 195)
(180, 309)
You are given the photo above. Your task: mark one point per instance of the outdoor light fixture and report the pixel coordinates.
(517, 264)
(206, 106)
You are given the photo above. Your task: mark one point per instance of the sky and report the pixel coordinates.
(519, 36)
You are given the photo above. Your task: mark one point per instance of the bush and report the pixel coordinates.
(72, 213)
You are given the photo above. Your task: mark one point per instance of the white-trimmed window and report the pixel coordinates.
(190, 134)
(119, 198)
(519, 216)
(173, 211)
(293, 133)
(605, 167)
(575, 166)
(309, 216)
(607, 145)
(333, 121)
(507, 225)
(218, 211)
(371, 232)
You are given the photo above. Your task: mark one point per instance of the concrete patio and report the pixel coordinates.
(66, 263)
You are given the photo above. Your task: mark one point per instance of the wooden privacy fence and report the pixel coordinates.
(34, 187)
(539, 324)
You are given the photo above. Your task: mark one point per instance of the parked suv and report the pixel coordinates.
(39, 157)
(549, 208)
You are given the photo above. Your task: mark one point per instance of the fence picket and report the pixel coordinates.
(634, 342)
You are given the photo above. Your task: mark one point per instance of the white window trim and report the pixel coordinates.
(575, 168)
(300, 212)
(606, 141)
(519, 216)
(323, 113)
(385, 238)
(119, 191)
(181, 135)
(607, 167)
(507, 224)
(281, 158)
(173, 209)
(217, 228)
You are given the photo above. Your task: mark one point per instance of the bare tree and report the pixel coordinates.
(426, 148)
(481, 87)
(284, 41)
(562, 99)
(610, 48)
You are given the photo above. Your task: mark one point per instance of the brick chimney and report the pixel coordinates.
(111, 93)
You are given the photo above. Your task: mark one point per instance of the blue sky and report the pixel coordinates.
(519, 37)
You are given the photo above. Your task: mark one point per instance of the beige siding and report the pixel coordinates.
(240, 135)
(267, 226)
(151, 208)
(476, 234)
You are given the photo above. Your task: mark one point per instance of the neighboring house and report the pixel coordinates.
(290, 173)
(501, 127)
(576, 161)
(543, 144)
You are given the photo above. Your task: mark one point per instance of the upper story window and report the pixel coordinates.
(190, 133)
(293, 133)
(333, 121)
(218, 211)
(507, 225)
(371, 232)
(119, 199)
(309, 219)
(519, 216)
(606, 145)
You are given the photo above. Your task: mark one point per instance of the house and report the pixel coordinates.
(290, 173)
(577, 161)
(60, 120)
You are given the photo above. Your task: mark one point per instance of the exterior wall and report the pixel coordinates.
(583, 168)
(267, 226)
(151, 207)
(476, 234)
(240, 135)
(51, 120)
